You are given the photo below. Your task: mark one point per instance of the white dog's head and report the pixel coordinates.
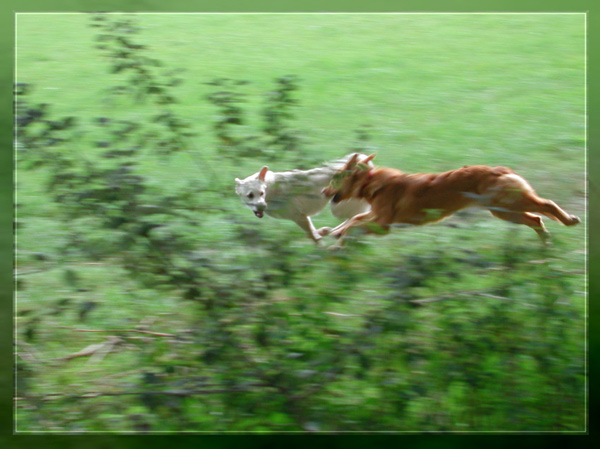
(252, 190)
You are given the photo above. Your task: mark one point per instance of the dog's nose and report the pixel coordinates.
(336, 198)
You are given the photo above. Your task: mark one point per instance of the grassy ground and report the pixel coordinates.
(436, 91)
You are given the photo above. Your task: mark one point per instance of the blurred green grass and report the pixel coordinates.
(437, 91)
(464, 87)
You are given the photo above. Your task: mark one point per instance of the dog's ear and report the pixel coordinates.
(368, 159)
(352, 162)
(263, 173)
(238, 181)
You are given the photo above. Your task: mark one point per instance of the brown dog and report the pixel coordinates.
(420, 198)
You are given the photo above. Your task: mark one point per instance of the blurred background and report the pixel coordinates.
(150, 299)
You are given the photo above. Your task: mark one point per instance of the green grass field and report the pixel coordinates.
(435, 92)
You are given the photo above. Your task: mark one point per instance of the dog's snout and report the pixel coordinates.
(336, 198)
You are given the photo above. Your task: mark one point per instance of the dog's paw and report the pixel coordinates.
(324, 231)
(574, 220)
(546, 240)
(337, 234)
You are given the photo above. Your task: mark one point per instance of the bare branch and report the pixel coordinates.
(343, 315)
(178, 393)
(116, 331)
(454, 295)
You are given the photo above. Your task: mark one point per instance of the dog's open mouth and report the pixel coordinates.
(259, 213)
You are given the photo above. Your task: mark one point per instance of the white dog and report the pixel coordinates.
(296, 195)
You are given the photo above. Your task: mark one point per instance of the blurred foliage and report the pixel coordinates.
(276, 140)
(267, 343)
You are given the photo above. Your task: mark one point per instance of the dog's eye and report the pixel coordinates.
(262, 193)
(251, 195)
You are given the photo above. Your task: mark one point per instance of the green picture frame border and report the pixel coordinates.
(10, 7)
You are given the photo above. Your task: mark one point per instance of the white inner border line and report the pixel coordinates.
(585, 13)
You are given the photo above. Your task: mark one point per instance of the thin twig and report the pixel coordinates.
(453, 295)
(487, 295)
(179, 393)
(136, 331)
(343, 315)
(443, 297)
(28, 353)
(106, 349)
(97, 350)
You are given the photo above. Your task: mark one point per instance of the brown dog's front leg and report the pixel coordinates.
(326, 230)
(342, 229)
(330, 231)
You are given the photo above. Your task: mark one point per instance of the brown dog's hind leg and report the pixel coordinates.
(527, 219)
(514, 194)
(551, 210)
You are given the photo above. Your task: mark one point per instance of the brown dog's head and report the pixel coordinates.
(345, 183)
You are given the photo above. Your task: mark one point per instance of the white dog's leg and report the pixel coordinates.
(306, 223)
